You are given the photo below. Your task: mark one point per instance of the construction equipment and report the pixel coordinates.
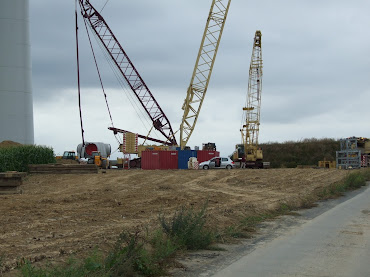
(97, 159)
(249, 151)
(127, 70)
(210, 146)
(95, 152)
(354, 153)
(68, 155)
(203, 68)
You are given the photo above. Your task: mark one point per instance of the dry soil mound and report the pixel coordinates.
(9, 143)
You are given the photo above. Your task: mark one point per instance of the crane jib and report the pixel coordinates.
(203, 68)
(127, 70)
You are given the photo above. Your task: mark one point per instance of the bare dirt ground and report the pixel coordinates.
(58, 215)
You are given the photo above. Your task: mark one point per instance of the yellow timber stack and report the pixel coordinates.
(251, 113)
(203, 68)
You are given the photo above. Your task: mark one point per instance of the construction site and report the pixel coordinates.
(82, 200)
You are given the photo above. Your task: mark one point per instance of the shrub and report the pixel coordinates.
(366, 174)
(146, 255)
(186, 228)
(355, 180)
(18, 158)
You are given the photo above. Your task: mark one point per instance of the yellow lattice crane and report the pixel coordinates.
(203, 68)
(251, 112)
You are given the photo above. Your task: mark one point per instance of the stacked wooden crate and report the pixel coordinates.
(63, 168)
(10, 182)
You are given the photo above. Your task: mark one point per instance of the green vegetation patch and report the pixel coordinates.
(353, 180)
(186, 228)
(17, 158)
(290, 154)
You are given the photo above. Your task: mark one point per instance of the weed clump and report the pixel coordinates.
(91, 266)
(135, 254)
(355, 180)
(186, 228)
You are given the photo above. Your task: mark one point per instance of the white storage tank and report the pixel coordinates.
(16, 107)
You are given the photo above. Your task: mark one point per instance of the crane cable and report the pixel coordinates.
(119, 78)
(100, 79)
(104, 6)
(78, 76)
(97, 69)
(123, 84)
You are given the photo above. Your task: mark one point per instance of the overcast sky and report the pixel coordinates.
(315, 77)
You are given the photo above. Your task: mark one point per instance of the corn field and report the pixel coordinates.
(17, 158)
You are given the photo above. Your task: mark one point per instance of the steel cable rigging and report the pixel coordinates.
(126, 71)
(122, 82)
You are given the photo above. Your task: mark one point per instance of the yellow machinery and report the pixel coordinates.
(142, 148)
(99, 160)
(251, 113)
(203, 68)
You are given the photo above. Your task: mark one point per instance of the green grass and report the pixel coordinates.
(17, 158)
(91, 266)
(353, 180)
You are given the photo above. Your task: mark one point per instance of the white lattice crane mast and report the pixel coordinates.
(203, 68)
(251, 113)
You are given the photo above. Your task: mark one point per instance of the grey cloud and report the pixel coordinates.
(315, 53)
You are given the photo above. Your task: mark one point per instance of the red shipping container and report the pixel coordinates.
(204, 155)
(168, 159)
(150, 160)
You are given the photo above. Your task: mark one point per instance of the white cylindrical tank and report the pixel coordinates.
(16, 107)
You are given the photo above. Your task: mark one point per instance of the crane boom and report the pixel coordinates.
(251, 114)
(203, 68)
(128, 70)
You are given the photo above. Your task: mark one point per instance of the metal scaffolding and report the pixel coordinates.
(349, 156)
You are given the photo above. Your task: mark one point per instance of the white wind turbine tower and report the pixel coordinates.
(16, 107)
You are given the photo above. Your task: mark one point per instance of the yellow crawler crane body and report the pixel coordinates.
(251, 113)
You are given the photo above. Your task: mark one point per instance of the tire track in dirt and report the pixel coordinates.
(62, 214)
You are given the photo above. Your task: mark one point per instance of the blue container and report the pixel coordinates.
(184, 156)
